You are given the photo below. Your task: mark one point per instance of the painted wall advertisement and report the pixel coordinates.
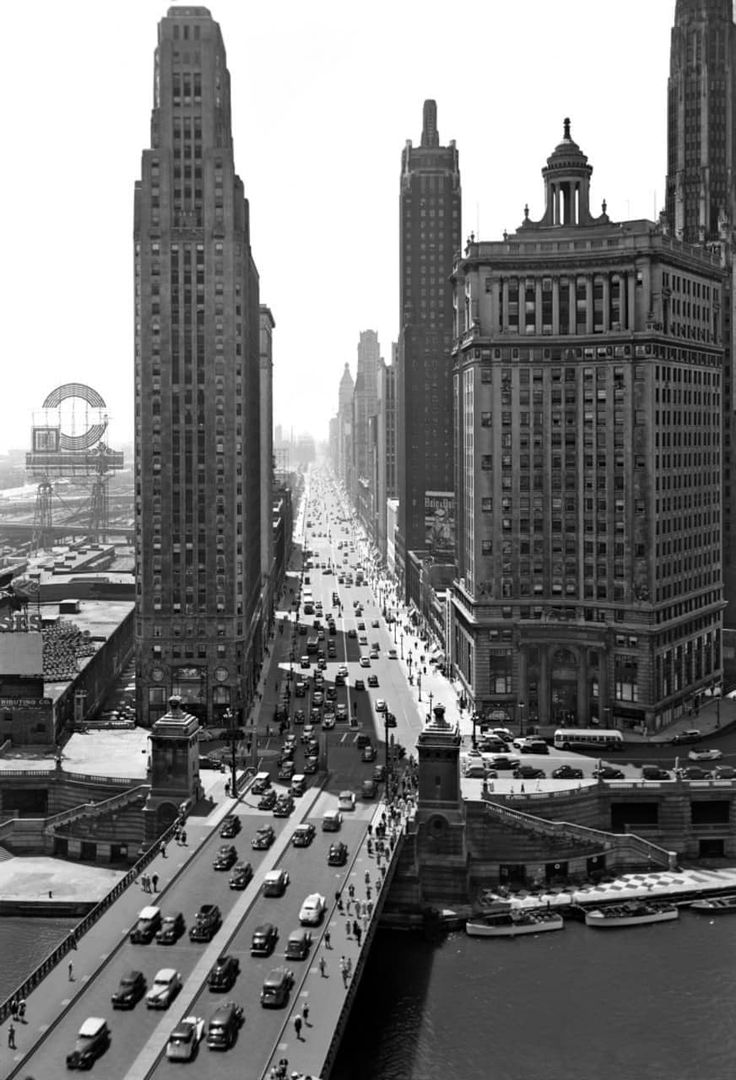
(439, 521)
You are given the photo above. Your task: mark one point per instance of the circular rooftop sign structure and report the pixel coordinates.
(94, 432)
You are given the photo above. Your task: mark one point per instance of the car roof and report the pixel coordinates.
(273, 874)
(92, 1026)
(149, 912)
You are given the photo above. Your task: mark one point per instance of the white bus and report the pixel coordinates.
(586, 740)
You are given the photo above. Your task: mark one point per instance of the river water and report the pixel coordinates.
(645, 1003)
(648, 1003)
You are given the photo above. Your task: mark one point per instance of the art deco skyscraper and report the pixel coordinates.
(701, 192)
(430, 237)
(198, 513)
(701, 120)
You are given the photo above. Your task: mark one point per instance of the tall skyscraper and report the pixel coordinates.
(198, 423)
(365, 403)
(588, 383)
(430, 238)
(701, 120)
(701, 191)
(345, 430)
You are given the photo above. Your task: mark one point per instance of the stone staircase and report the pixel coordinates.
(95, 809)
(570, 835)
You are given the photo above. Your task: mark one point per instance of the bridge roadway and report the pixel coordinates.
(139, 1036)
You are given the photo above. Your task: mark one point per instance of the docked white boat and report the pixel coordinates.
(514, 923)
(635, 913)
(715, 905)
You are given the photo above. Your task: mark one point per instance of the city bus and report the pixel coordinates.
(587, 740)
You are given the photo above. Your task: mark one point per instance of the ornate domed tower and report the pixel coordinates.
(567, 187)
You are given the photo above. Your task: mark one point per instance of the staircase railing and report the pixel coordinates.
(572, 832)
(95, 809)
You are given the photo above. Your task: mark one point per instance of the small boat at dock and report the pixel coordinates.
(514, 923)
(634, 913)
(715, 905)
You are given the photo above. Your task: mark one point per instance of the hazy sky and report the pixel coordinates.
(325, 94)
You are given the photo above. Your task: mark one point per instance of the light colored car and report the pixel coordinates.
(185, 1038)
(312, 910)
(166, 986)
(346, 800)
(705, 755)
(380, 705)
(392, 654)
(365, 661)
(342, 670)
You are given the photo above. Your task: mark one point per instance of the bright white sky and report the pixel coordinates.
(325, 93)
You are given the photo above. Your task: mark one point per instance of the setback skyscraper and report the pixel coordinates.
(198, 478)
(430, 238)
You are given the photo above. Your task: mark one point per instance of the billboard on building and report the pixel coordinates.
(439, 521)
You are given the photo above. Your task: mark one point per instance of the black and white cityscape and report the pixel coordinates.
(452, 657)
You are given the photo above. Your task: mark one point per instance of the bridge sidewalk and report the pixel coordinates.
(54, 995)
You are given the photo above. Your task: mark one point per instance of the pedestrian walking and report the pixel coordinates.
(298, 1026)
(14, 1009)
(351, 890)
(163, 851)
(22, 1010)
(144, 882)
(328, 939)
(154, 882)
(71, 971)
(11, 1036)
(323, 967)
(305, 1014)
(348, 928)
(367, 877)
(184, 837)
(349, 966)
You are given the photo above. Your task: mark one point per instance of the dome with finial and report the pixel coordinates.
(567, 154)
(567, 188)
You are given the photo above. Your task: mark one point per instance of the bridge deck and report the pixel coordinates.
(58, 1006)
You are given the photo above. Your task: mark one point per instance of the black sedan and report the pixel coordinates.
(567, 772)
(241, 875)
(227, 856)
(267, 801)
(224, 973)
(230, 827)
(130, 991)
(172, 927)
(338, 854)
(529, 772)
(608, 772)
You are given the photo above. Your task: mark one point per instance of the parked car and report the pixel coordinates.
(312, 910)
(224, 972)
(531, 745)
(298, 945)
(263, 839)
(690, 736)
(226, 857)
(230, 826)
(172, 927)
(608, 772)
(264, 940)
(277, 987)
(654, 772)
(338, 854)
(303, 835)
(503, 761)
(223, 1026)
(706, 754)
(723, 772)
(208, 921)
(241, 875)
(529, 772)
(567, 772)
(183, 1042)
(131, 989)
(694, 772)
(166, 985)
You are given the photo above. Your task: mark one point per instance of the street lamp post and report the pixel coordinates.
(395, 621)
(410, 661)
(520, 708)
(402, 644)
(388, 759)
(475, 718)
(431, 699)
(419, 684)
